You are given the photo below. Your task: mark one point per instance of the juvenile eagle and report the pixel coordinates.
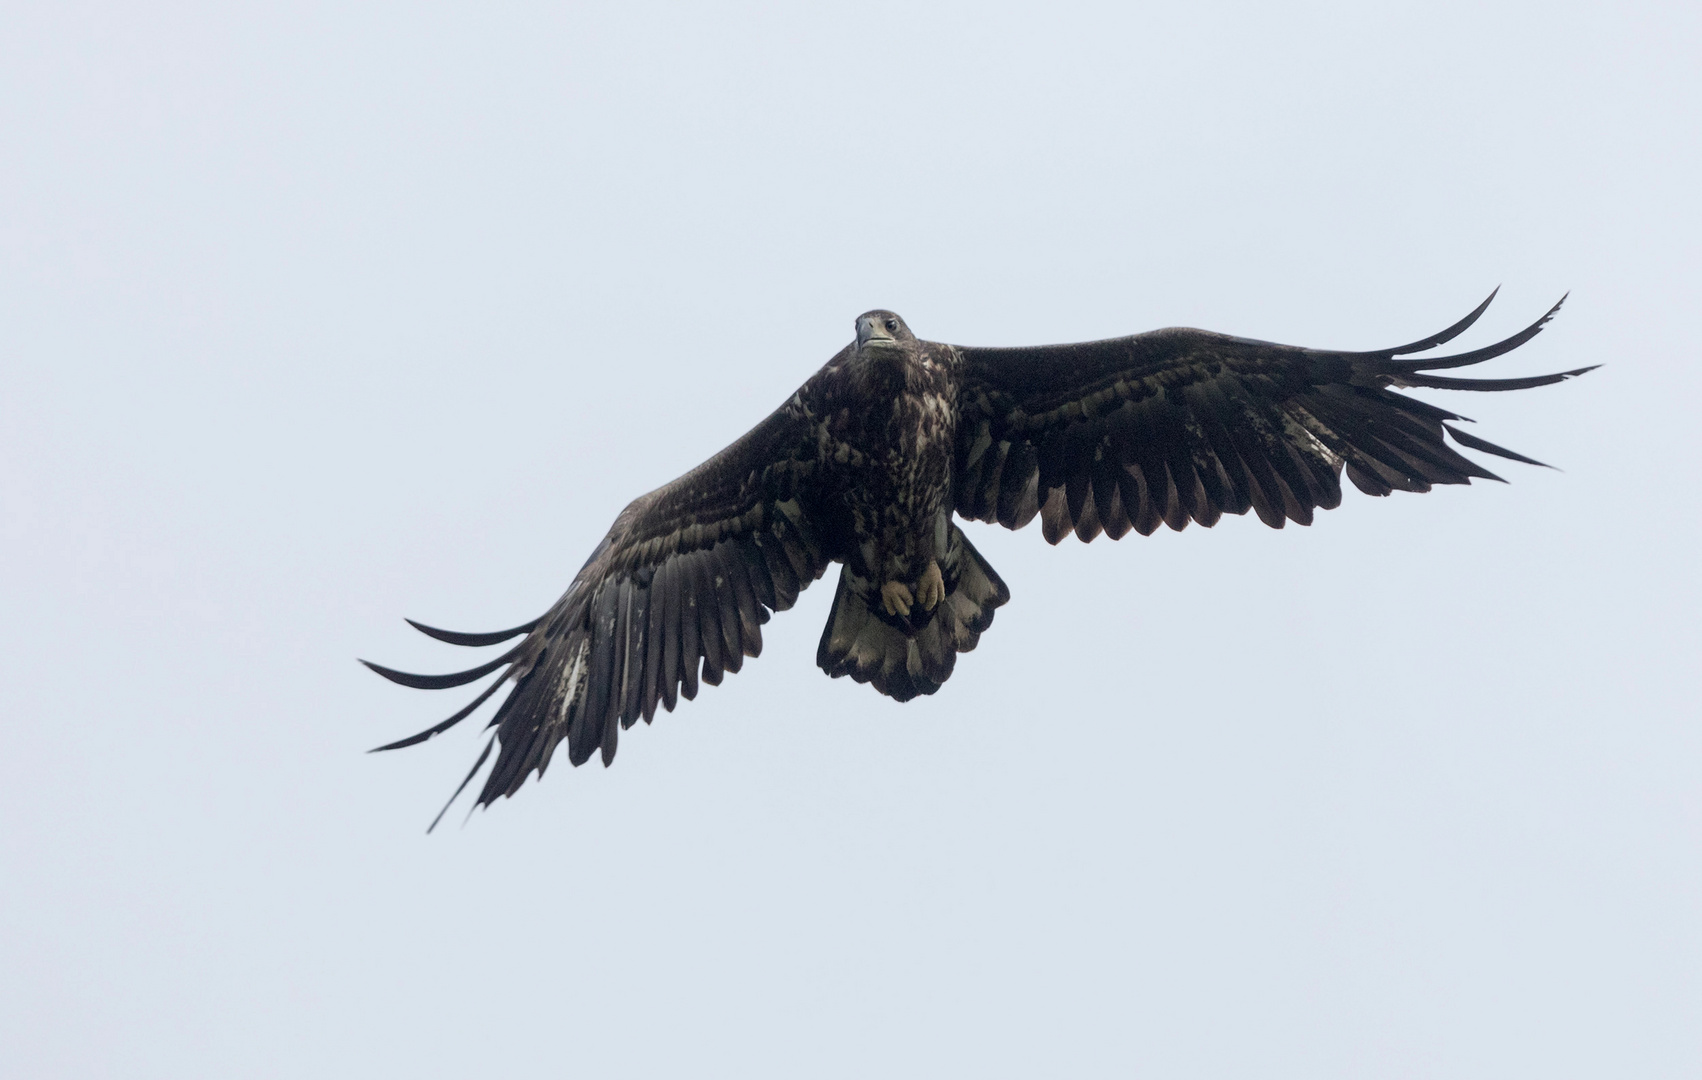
(866, 464)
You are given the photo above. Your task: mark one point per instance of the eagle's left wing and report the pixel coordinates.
(1186, 424)
(687, 572)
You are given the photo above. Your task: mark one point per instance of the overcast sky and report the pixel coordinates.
(315, 316)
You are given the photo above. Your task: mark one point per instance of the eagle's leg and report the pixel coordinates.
(895, 597)
(932, 588)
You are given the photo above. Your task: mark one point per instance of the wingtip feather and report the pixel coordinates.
(1444, 336)
(485, 753)
(444, 682)
(1487, 447)
(457, 637)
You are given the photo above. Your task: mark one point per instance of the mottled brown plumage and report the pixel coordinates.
(867, 462)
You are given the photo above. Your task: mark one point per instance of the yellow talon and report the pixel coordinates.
(932, 588)
(895, 597)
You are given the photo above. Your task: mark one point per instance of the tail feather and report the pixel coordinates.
(905, 657)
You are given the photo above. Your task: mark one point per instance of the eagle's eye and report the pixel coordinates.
(892, 326)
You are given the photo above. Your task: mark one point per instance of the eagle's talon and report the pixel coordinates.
(895, 597)
(932, 588)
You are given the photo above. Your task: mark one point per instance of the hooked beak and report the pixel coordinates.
(869, 330)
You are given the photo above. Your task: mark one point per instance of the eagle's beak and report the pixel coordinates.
(869, 330)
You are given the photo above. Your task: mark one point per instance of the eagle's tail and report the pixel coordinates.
(906, 657)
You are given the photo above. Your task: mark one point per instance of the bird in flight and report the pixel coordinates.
(871, 461)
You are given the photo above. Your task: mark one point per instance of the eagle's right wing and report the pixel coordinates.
(688, 572)
(1179, 425)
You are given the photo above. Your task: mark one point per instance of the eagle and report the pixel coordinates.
(873, 460)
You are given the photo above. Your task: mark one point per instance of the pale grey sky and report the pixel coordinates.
(313, 317)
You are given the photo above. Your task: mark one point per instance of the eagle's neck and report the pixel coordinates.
(883, 374)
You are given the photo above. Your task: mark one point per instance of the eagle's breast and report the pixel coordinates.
(887, 438)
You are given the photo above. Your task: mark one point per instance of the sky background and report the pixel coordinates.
(314, 316)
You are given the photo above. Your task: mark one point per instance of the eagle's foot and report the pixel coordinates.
(932, 588)
(895, 597)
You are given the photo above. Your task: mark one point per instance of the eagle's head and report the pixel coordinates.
(882, 330)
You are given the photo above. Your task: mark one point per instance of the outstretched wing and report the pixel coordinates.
(1180, 424)
(688, 572)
